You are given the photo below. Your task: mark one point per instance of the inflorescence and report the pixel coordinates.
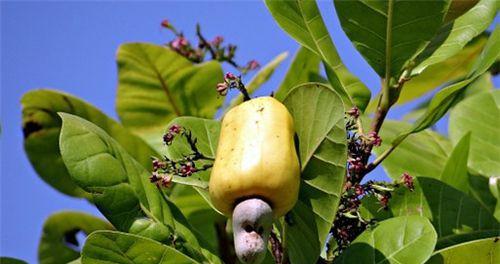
(165, 169)
(215, 48)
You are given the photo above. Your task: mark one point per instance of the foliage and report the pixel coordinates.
(148, 173)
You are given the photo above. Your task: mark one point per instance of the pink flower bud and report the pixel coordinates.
(217, 40)
(230, 76)
(354, 112)
(175, 129)
(252, 65)
(166, 181)
(166, 24)
(375, 138)
(179, 43)
(168, 138)
(222, 88)
(408, 181)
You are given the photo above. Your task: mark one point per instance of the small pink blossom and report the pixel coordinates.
(217, 40)
(222, 88)
(375, 138)
(230, 76)
(166, 24)
(175, 129)
(179, 43)
(252, 65)
(408, 181)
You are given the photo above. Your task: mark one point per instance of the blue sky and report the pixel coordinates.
(71, 46)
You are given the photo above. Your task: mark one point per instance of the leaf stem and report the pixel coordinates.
(385, 154)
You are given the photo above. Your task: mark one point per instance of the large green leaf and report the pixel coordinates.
(449, 96)
(119, 185)
(303, 22)
(59, 232)
(261, 77)
(424, 153)
(41, 127)
(318, 114)
(406, 239)
(448, 70)
(455, 216)
(156, 85)
(389, 34)
(484, 251)
(202, 217)
(480, 115)
(483, 83)
(452, 37)
(116, 247)
(304, 68)
(455, 171)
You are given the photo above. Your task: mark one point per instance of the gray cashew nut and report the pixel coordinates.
(252, 223)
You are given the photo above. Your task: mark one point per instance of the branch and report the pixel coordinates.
(205, 42)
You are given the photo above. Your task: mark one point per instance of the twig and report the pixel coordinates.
(226, 244)
(205, 42)
(243, 91)
(276, 248)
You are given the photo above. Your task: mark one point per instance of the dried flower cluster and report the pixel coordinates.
(349, 223)
(165, 169)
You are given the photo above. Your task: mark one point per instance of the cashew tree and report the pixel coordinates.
(182, 177)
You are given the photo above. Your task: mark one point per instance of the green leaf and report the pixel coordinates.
(483, 83)
(318, 114)
(484, 190)
(449, 70)
(389, 34)
(156, 85)
(452, 37)
(41, 127)
(485, 251)
(303, 22)
(455, 216)
(447, 97)
(7, 260)
(455, 172)
(60, 230)
(406, 239)
(199, 214)
(260, 77)
(304, 68)
(428, 151)
(489, 55)
(119, 185)
(480, 115)
(116, 247)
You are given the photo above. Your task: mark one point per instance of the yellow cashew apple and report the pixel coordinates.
(256, 157)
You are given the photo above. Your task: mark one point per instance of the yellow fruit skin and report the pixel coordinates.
(256, 157)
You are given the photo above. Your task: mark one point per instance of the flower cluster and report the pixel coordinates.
(165, 169)
(215, 48)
